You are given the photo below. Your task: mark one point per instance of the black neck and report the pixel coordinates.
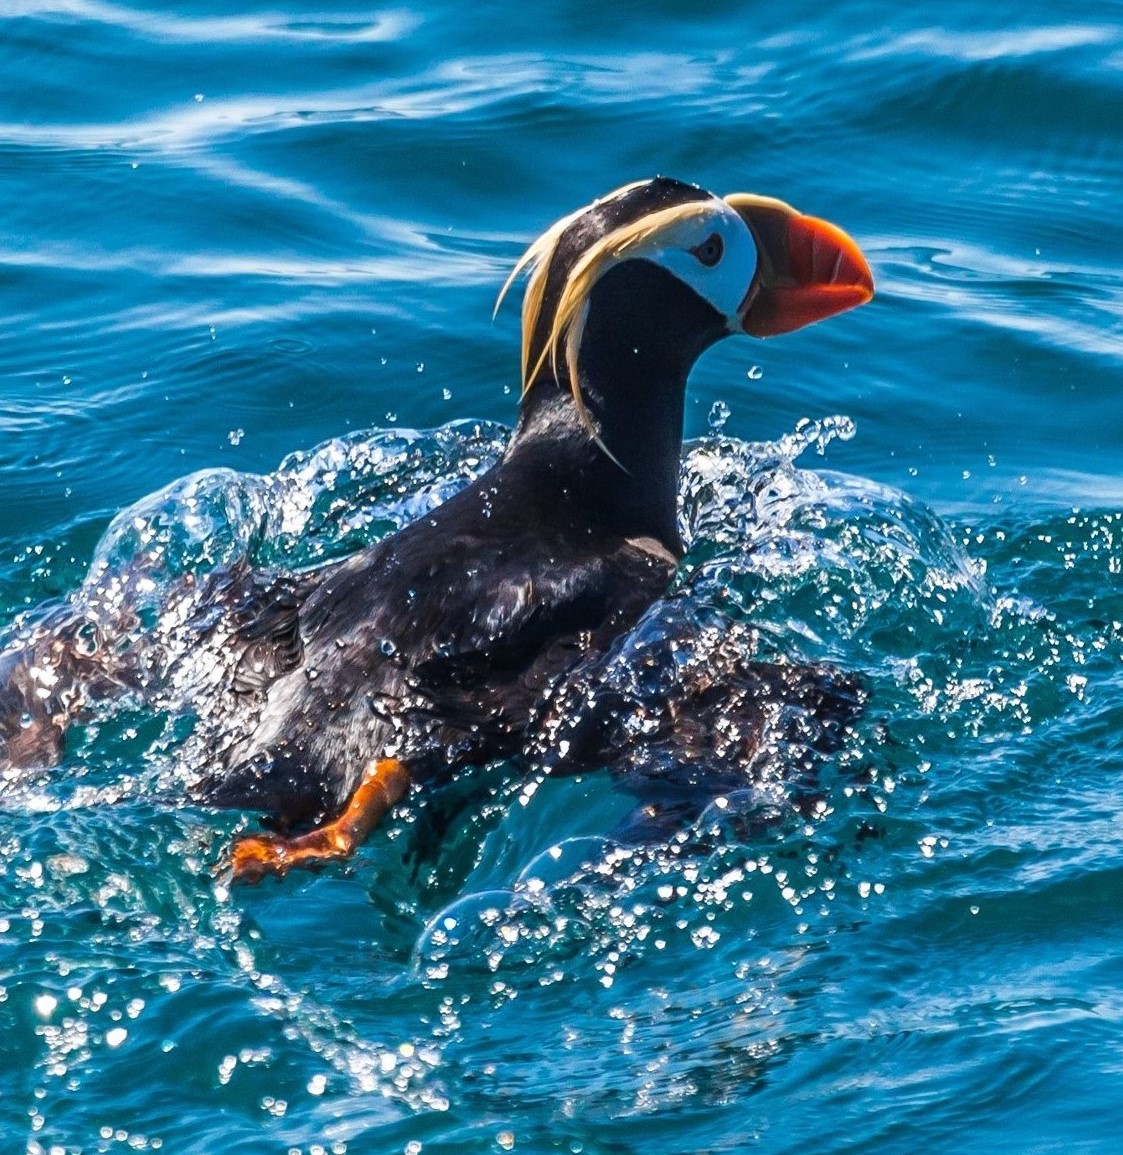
(645, 330)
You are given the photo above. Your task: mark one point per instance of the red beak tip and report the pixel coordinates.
(814, 270)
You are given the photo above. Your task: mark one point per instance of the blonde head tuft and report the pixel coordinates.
(567, 325)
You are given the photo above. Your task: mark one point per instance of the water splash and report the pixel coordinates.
(687, 953)
(317, 505)
(783, 561)
(834, 565)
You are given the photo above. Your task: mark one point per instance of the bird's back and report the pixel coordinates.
(434, 646)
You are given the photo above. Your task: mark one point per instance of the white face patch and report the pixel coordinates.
(704, 243)
(686, 248)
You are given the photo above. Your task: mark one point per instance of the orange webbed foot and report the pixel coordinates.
(252, 858)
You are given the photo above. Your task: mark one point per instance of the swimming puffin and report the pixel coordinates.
(460, 639)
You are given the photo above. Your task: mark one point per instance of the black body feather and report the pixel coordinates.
(483, 630)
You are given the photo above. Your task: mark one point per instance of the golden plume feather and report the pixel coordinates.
(629, 240)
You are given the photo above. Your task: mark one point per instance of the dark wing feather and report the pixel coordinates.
(252, 617)
(530, 624)
(273, 645)
(680, 719)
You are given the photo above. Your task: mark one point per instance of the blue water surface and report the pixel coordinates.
(247, 254)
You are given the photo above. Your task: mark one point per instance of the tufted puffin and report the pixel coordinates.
(478, 631)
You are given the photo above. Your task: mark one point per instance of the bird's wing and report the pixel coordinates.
(511, 616)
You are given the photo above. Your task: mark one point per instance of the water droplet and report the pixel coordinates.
(719, 415)
(235, 436)
(387, 647)
(446, 394)
(755, 373)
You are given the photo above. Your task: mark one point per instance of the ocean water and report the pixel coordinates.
(247, 266)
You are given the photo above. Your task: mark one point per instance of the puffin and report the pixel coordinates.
(487, 629)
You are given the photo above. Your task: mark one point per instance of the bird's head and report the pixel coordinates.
(659, 270)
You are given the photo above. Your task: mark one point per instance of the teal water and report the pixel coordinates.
(265, 245)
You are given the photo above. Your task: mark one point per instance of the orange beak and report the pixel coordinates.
(807, 269)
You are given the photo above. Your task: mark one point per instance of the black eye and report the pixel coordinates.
(709, 251)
